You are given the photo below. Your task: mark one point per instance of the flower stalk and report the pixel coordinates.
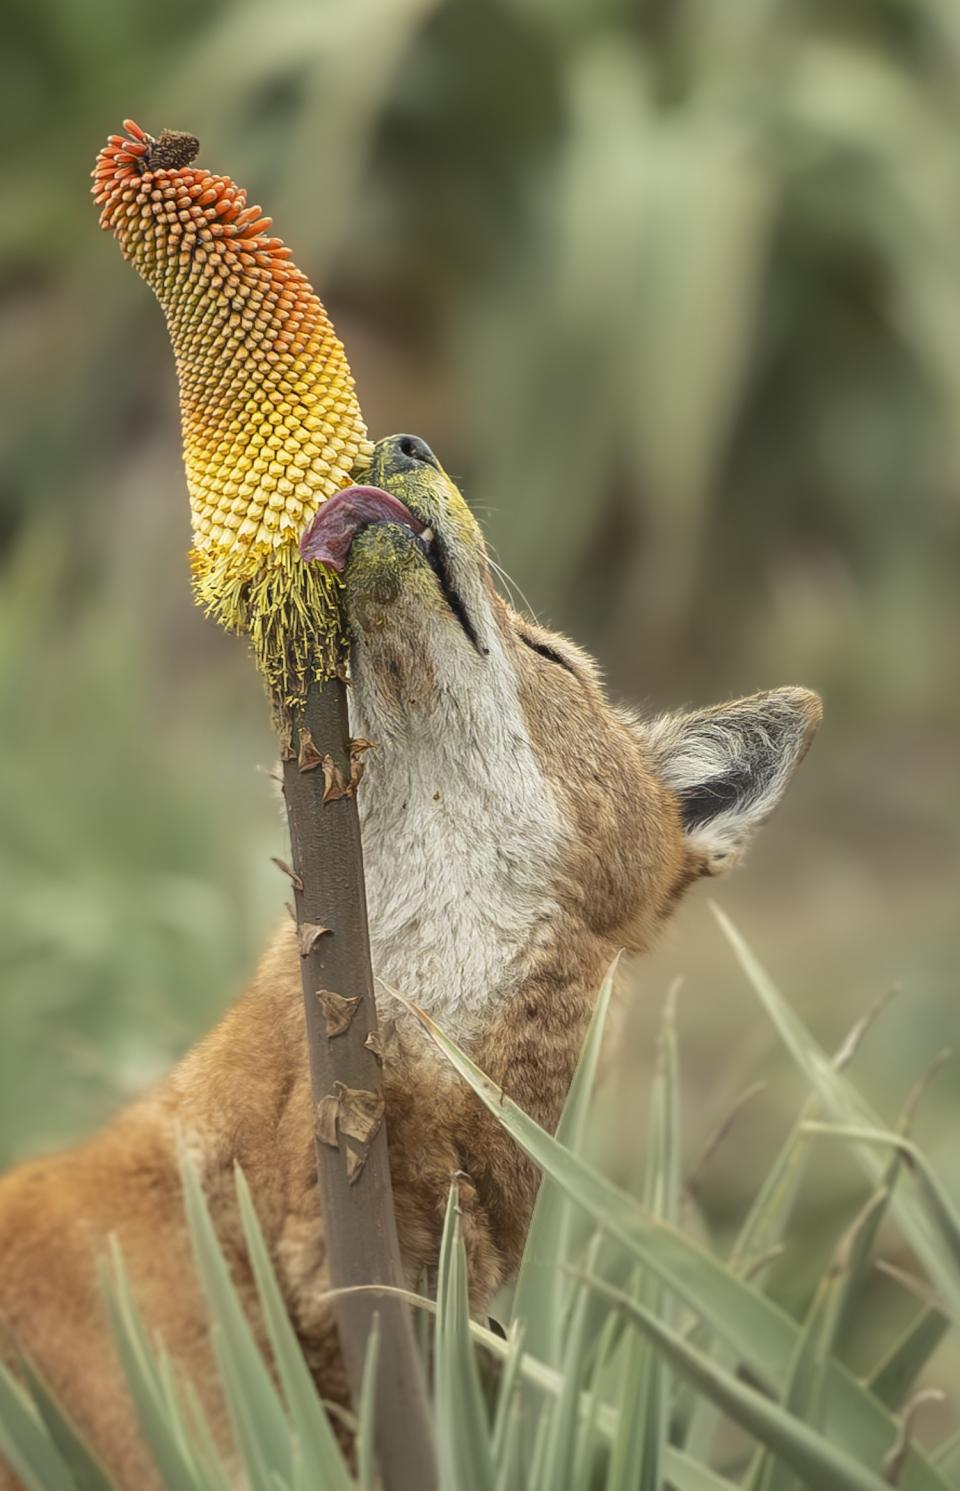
(271, 429)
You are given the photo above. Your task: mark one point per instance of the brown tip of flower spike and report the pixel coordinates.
(170, 150)
(271, 423)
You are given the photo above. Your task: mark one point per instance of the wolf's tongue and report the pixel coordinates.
(339, 519)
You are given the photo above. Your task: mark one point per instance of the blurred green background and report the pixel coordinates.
(673, 287)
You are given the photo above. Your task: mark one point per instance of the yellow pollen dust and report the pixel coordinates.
(270, 419)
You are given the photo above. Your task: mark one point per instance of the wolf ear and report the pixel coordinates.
(730, 766)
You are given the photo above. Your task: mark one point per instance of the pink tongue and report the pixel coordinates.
(339, 519)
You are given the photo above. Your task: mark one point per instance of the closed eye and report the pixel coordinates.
(545, 650)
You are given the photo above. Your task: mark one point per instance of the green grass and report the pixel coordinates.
(637, 1355)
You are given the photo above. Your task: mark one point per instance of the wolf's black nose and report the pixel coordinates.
(399, 453)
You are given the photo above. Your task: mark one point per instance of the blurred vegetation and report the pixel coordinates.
(674, 289)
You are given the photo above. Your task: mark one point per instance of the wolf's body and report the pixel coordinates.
(518, 831)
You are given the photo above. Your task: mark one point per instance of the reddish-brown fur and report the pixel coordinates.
(243, 1095)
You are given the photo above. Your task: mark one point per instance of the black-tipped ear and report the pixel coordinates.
(730, 765)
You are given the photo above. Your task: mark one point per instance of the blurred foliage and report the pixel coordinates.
(674, 289)
(120, 891)
(677, 284)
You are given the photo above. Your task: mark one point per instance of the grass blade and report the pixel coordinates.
(758, 1239)
(562, 1427)
(256, 1413)
(637, 1456)
(511, 1470)
(26, 1443)
(760, 1236)
(947, 1457)
(588, 1427)
(85, 1469)
(804, 1397)
(213, 1475)
(814, 1458)
(366, 1455)
(681, 1472)
(896, 1372)
(629, 1464)
(463, 1435)
(846, 1104)
(543, 1290)
(762, 1335)
(157, 1416)
(322, 1458)
(510, 1464)
(662, 1196)
(942, 1211)
(507, 1397)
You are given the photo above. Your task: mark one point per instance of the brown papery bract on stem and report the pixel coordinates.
(343, 1041)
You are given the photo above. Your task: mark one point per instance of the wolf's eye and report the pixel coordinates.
(547, 651)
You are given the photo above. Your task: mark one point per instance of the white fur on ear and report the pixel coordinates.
(730, 765)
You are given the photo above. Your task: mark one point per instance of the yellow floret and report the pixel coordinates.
(270, 419)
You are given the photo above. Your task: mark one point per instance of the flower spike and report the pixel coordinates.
(271, 423)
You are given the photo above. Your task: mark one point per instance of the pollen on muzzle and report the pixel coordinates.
(271, 423)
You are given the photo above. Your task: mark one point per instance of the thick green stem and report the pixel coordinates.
(354, 1174)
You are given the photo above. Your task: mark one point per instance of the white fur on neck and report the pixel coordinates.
(461, 834)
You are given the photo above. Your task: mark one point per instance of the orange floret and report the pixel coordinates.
(271, 423)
